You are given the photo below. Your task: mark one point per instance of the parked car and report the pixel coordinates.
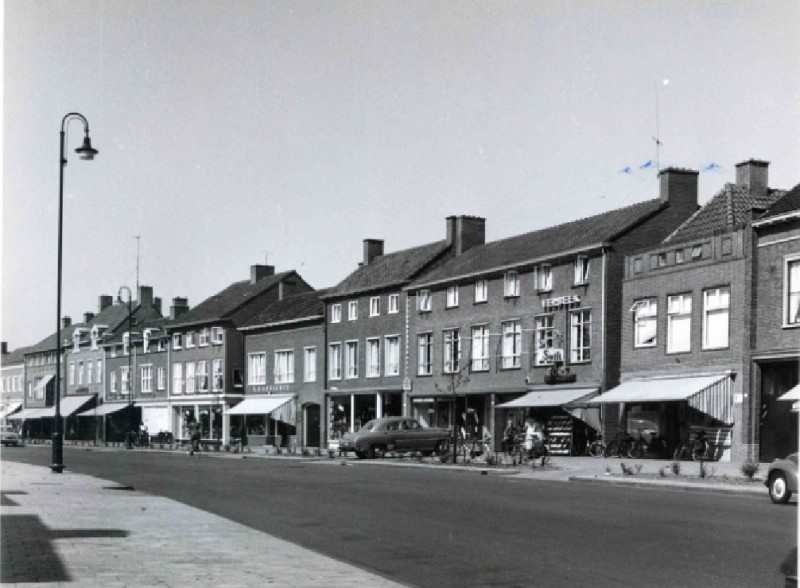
(8, 436)
(402, 434)
(782, 479)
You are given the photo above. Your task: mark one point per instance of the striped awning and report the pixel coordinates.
(709, 394)
(7, 410)
(550, 397)
(281, 408)
(103, 409)
(67, 406)
(26, 414)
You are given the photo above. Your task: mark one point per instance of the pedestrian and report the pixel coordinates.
(195, 440)
(243, 441)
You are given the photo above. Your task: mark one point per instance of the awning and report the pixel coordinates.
(43, 383)
(103, 409)
(9, 409)
(281, 408)
(557, 397)
(26, 414)
(793, 394)
(69, 405)
(709, 394)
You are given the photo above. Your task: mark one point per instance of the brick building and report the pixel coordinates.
(12, 378)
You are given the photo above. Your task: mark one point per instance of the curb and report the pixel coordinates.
(683, 486)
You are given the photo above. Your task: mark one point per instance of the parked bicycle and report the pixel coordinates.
(619, 446)
(697, 448)
(642, 446)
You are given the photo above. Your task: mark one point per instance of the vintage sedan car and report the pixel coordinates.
(400, 434)
(782, 479)
(8, 436)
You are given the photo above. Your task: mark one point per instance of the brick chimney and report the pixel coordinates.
(3, 347)
(465, 232)
(66, 322)
(145, 296)
(259, 272)
(157, 304)
(753, 174)
(372, 249)
(88, 316)
(179, 306)
(105, 302)
(679, 187)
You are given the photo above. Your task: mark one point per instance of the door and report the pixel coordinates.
(312, 420)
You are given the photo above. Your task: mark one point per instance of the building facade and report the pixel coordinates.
(12, 378)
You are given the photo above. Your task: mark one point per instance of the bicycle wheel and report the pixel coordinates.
(597, 449)
(699, 451)
(635, 449)
(612, 449)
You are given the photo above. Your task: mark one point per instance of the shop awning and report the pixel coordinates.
(69, 405)
(793, 394)
(26, 414)
(709, 394)
(281, 408)
(103, 409)
(557, 397)
(9, 409)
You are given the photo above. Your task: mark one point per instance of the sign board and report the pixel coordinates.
(549, 303)
(549, 355)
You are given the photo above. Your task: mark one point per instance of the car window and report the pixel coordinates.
(412, 425)
(391, 426)
(370, 426)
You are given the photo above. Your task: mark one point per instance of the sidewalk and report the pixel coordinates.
(76, 530)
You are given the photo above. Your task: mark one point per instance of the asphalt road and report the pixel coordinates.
(429, 527)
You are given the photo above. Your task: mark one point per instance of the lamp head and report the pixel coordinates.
(86, 151)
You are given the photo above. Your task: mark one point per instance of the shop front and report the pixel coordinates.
(205, 415)
(472, 413)
(268, 420)
(777, 422)
(349, 411)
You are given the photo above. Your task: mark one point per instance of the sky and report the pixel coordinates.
(237, 133)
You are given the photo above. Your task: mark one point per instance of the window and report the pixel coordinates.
(645, 320)
(481, 291)
(792, 289)
(217, 335)
(95, 337)
(394, 303)
(162, 346)
(161, 378)
(512, 344)
(190, 381)
(126, 343)
(284, 367)
(81, 371)
(146, 340)
(202, 377)
(256, 369)
(113, 350)
(424, 301)
(310, 364)
(39, 390)
(336, 313)
(697, 252)
(679, 323)
(580, 335)
(217, 375)
(452, 351)
(425, 354)
(375, 306)
(511, 284)
(373, 358)
(76, 340)
(452, 297)
(189, 340)
(89, 371)
(125, 380)
(203, 337)
(727, 246)
(662, 259)
(351, 359)
(113, 383)
(146, 379)
(480, 348)
(546, 352)
(544, 278)
(637, 265)
(716, 307)
(98, 372)
(581, 270)
(679, 256)
(177, 378)
(177, 341)
(71, 373)
(392, 351)
(653, 261)
(352, 310)
(335, 361)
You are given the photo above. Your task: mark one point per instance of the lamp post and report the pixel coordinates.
(129, 436)
(85, 151)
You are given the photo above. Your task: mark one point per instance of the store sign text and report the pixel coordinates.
(549, 303)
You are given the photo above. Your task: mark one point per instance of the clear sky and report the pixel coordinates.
(231, 133)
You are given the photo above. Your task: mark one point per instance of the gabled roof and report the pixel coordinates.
(139, 326)
(788, 203)
(519, 249)
(729, 210)
(392, 269)
(227, 302)
(14, 357)
(294, 308)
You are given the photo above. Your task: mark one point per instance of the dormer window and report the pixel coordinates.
(148, 333)
(511, 284)
(76, 341)
(581, 270)
(126, 343)
(216, 335)
(424, 301)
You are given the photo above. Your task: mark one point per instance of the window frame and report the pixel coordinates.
(511, 284)
(581, 270)
(451, 297)
(178, 386)
(790, 295)
(177, 341)
(481, 291)
(335, 367)
(375, 306)
(218, 375)
(679, 317)
(512, 361)
(544, 277)
(640, 321)
(483, 337)
(424, 300)
(217, 335)
(392, 345)
(351, 358)
(544, 333)
(257, 372)
(336, 313)
(202, 378)
(713, 312)
(451, 351)
(373, 357)
(310, 367)
(425, 354)
(393, 304)
(283, 366)
(580, 353)
(352, 310)
(146, 378)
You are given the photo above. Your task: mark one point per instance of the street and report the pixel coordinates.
(432, 527)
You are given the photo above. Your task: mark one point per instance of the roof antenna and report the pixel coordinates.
(657, 138)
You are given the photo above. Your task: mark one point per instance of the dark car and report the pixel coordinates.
(782, 479)
(401, 434)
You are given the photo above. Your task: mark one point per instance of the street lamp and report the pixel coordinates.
(85, 151)
(129, 436)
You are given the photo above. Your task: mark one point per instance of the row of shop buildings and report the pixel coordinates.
(658, 318)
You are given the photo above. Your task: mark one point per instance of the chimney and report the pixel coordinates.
(179, 307)
(465, 232)
(259, 272)
(3, 347)
(66, 322)
(679, 187)
(753, 174)
(157, 304)
(105, 302)
(88, 316)
(145, 296)
(372, 249)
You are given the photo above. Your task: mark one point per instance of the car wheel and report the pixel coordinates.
(377, 451)
(361, 454)
(778, 490)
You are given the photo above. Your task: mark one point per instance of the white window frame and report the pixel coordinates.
(544, 278)
(257, 368)
(545, 339)
(146, 340)
(334, 361)
(218, 375)
(716, 303)
(425, 354)
(203, 338)
(679, 323)
(81, 372)
(76, 341)
(697, 252)
(580, 350)
(72, 373)
(581, 273)
(89, 371)
(310, 364)
(188, 341)
(146, 378)
(424, 301)
(99, 372)
(177, 378)
(451, 297)
(375, 306)
(190, 382)
(645, 320)
(374, 357)
(391, 354)
(791, 292)
(112, 385)
(217, 335)
(394, 304)
(481, 291)
(125, 380)
(126, 343)
(480, 348)
(283, 369)
(177, 341)
(680, 256)
(95, 338)
(352, 310)
(201, 376)
(511, 287)
(451, 356)
(161, 378)
(336, 313)
(351, 360)
(512, 344)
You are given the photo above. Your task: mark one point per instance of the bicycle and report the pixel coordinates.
(597, 448)
(620, 446)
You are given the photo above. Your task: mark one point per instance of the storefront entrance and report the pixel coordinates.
(777, 422)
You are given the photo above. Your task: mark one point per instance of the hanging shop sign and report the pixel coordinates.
(550, 303)
(271, 388)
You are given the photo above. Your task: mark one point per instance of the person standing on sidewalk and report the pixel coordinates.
(243, 441)
(195, 440)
